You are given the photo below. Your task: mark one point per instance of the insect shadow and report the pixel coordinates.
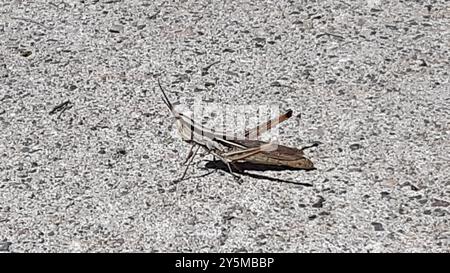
(243, 167)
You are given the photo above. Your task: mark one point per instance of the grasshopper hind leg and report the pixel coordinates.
(235, 176)
(230, 170)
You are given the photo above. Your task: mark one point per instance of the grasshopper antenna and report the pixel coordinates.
(165, 99)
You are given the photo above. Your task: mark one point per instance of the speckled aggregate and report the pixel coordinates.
(369, 78)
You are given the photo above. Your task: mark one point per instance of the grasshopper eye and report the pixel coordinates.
(183, 109)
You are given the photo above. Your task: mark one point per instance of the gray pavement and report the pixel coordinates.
(369, 78)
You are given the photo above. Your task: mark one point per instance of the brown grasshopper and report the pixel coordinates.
(230, 149)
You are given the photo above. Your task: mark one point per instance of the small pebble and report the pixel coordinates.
(4, 246)
(319, 203)
(354, 147)
(116, 29)
(377, 226)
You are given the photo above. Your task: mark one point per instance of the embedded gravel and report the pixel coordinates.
(369, 78)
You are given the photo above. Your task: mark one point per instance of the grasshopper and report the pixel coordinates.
(230, 149)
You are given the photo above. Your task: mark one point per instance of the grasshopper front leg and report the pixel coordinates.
(189, 153)
(188, 164)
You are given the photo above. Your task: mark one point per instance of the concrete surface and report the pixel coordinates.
(370, 79)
